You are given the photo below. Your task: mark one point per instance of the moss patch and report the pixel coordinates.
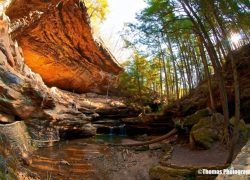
(196, 117)
(206, 132)
(170, 173)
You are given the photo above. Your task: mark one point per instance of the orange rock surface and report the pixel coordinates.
(57, 43)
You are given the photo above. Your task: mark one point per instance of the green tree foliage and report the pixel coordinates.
(97, 11)
(140, 80)
(185, 45)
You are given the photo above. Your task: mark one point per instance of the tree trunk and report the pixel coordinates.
(201, 30)
(207, 74)
(161, 87)
(189, 73)
(164, 70)
(175, 71)
(236, 90)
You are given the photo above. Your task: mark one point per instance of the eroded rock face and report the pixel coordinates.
(25, 97)
(47, 112)
(57, 44)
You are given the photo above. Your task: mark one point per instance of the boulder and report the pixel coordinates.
(243, 130)
(207, 131)
(15, 139)
(193, 119)
(171, 173)
(5, 171)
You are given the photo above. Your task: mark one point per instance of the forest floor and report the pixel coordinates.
(183, 156)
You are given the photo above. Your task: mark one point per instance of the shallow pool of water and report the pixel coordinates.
(72, 159)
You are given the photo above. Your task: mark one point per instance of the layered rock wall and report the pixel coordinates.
(57, 43)
(25, 97)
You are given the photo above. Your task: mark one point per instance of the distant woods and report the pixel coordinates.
(179, 43)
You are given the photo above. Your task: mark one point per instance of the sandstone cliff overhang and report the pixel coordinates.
(49, 113)
(57, 43)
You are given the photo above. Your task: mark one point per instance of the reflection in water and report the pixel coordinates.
(72, 159)
(67, 160)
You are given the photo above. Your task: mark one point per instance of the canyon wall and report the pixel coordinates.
(57, 43)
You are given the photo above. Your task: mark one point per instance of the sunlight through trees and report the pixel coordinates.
(192, 40)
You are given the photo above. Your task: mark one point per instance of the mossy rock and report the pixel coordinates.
(193, 119)
(7, 176)
(5, 171)
(206, 132)
(171, 173)
(243, 130)
(203, 137)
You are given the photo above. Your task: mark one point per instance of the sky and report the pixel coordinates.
(120, 12)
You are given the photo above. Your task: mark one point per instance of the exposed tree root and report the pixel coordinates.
(169, 134)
